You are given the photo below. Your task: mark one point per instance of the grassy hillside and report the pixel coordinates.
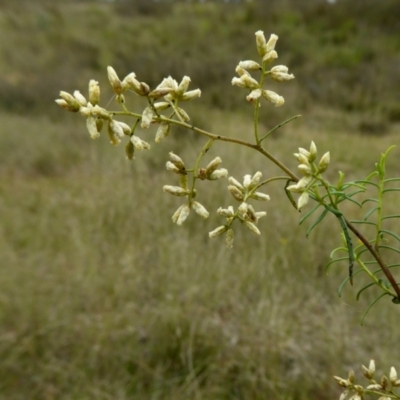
(102, 297)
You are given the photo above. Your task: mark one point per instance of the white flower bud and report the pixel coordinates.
(238, 82)
(272, 42)
(249, 65)
(172, 167)
(162, 131)
(192, 94)
(94, 92)
(234, 182)
(303, 200)
(217, 174)
(252, 227)
(313, 152)
(183, 114)
(270, 56)
(161, 105)
(281, 76)
(92, 128)
(255, 180)
(72, 102)
(200, 209)
(324, 162)
(62, 103)
(254, 95)
(147, 117)
(177, 160)
(181, 214)
(81, 99)
(261, 43)
(249, 82)
(175, 190)
(183, 86)
(273, 98)
(393, 375)
(116, 128)
(246, 181)
(236, 193)
(371, 366)
(260, 196)
(260, 214)
(139, 143)
(213, 165)
(226, 212)
(305, 169)
(241, 71)
(161, 92)
(114, 80)
(304, 152)
(375, 386)
(218, 231)
(302, 159)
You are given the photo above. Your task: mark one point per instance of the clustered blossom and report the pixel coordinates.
(211, 172)
(357, 392)
(309, 171)
(245, 212)
(96, 115)
(278, 73)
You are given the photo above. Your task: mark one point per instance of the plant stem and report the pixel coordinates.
(376, 255)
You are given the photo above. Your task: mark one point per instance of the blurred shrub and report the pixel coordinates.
(344, 55)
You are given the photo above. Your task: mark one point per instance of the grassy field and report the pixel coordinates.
(102, 297)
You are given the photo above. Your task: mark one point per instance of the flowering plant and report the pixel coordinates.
(164, 110)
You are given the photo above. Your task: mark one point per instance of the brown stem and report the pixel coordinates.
(376, 255)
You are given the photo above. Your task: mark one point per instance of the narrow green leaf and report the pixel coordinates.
(370, 199)
(315, 208)
(345, 281)
(391, 216)
(364, 288)
(334, 261)
(383, 246)
(371, 305)
(356, 221)
(391, 180)
(316, 222)
(395, 235)
(369, 183)
(368, 214)
(391, 190)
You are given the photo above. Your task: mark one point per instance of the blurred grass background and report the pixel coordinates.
(101, 296)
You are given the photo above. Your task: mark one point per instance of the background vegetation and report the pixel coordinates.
(101, 296)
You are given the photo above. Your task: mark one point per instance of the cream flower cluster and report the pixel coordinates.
(95, 115)
(278, 73)
(309, 171)
(245, 213)
(210, 172)
(384, 387)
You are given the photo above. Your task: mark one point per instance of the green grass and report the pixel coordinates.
(102, 297)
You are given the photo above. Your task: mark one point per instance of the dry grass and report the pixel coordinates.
(103, 298)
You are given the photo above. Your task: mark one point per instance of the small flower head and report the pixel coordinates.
(94, 92)
(261, 43)
(163, 131)
(199, 209)
(273, 97)
(279, 73)
(114, 80)
(181, 214)
(249, 65)
(324, 162)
